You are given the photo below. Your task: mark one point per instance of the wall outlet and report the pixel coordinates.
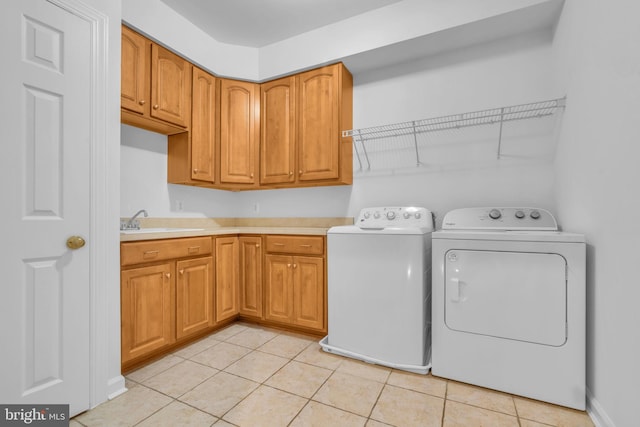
(256, 207)
(178, 205)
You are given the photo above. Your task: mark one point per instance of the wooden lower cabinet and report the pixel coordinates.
(194, 296)
(295, 289)
(250, 288)
(227, 272)
(147, 310)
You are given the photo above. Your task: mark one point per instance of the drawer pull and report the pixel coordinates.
(150, 254)
(305, 246)
(193, 249)
(278, 244)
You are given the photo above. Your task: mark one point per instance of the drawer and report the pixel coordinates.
(306, 245)
(158, 250)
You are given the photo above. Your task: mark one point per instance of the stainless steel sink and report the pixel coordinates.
(159, 230)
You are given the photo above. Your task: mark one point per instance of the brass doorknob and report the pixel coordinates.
(75, 242)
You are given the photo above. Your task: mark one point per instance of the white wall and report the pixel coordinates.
(598, 65)
(459, 169)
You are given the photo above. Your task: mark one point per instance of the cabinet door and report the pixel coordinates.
(146, 310)
(227, 282)
(203, 126)
(319, 124)
(170, 87)
(278, 288)
(251, 276)
(239, 130)
(278, 124)
(135, 68)
(308, 292)
(194, 296)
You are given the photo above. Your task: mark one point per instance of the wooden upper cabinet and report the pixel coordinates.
(278, 126)
(170, 87)
(134, 86)
(203, 126)
(239, 131)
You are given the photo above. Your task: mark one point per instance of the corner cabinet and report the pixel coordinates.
(250, 289)
(302, 119)
(227, 283)
(239, 133)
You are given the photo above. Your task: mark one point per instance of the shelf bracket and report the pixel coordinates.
(500, 133)
(415, 143)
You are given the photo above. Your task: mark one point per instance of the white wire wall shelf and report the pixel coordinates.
(456, 121)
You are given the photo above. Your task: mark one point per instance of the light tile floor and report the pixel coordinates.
(246, 375)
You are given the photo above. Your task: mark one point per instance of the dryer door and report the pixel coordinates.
(511, 295)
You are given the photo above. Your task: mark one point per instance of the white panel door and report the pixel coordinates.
(44, 168)
(512, 295)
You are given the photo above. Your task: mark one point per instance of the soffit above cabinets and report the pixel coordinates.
(256, 23)
(367, 35)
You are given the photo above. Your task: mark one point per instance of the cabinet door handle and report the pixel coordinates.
(150, 254)
(290, 173)
(195, 171)
(257, 245)
(167, 275)
(300, 172)
(155, 107)
(193, 249)
(182, 271)
(288, 265)
(142, 102)
(295, 265)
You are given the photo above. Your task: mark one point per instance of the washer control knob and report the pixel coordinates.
(406, 215)
(519, 214)
(494, 214)
(391, 215)
(376, 215)
(367, 215)
(418, 215)
(534, 215)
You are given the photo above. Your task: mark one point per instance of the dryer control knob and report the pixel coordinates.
(519, 214)
(376, 215)
(406, 215)
(418, 215)
(391, 215)
(534, 215)
(494, 214)
(367, 215)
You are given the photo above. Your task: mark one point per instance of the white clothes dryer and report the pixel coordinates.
(509, 304)
(379, 288)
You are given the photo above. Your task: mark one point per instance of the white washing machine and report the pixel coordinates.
(379, 288)
(509, 304)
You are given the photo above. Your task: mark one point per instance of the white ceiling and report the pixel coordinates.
(257, 23)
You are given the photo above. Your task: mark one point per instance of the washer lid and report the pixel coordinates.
(504, 218)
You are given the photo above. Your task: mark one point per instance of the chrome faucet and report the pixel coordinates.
(133, 223)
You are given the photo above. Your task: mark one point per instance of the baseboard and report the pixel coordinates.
(597, 412)
(115, 387)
